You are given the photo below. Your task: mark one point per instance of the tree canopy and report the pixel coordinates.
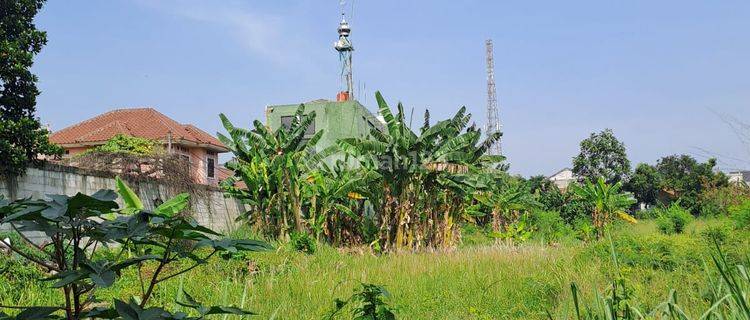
(644, 184)
(685, 178)
(602, 155)
(22, 138)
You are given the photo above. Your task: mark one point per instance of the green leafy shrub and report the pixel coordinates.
(715, 233)
(716, 201)
(163, 240)
(121, 143)
(516, 232)
(673, 220)
(473, 235)
(653, 251)
(367, 304)
(711, 209)
(303, 242)
(584, 229)
(549, 225)
(650, 213)
(741, 215)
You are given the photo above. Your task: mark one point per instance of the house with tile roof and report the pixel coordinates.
(192, 144)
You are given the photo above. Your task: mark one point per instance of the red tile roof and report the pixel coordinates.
(139, 122)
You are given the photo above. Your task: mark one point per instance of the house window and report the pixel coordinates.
(211, 168)
(286, 123)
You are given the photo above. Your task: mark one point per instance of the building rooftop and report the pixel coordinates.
(138, 122)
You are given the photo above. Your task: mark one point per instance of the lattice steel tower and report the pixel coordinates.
(493, 120)
(345, 48)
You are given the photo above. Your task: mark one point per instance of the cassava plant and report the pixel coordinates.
(79, 228)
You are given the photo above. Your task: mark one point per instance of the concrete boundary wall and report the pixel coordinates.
(212, 210)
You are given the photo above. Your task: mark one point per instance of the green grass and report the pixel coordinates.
(482, 281)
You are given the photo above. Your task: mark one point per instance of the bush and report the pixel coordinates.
(549, 225)
(368, 303)
(741, 215)
(650, 213)
(303, 242)
(652, 251)
(575, 209)
(473, 235)
(673, 219)
(717, 201)
(711, 209)
(715, 232)
(584, 229)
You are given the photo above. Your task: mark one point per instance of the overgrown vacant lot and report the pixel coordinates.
(480, 281)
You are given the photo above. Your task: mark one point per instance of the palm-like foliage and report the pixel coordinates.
(337, 202)
(607, 200)
(422, 177)
(507, 202)
(269, 171)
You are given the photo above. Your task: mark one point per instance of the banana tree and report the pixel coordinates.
(337, 201)
(506, 203)
(607, 201)
(415, 171)
(269, 170)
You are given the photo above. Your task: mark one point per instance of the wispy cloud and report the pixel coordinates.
(257, 32)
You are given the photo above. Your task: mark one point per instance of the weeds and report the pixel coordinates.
(367, 304)
(729, 297)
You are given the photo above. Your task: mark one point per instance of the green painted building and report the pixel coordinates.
(338, 119)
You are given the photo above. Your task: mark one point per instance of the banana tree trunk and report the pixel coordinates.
(297, 208)
(496, 220)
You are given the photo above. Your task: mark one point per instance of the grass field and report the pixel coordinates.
(481, 281)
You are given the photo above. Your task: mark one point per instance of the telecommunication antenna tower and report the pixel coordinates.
(345, 48)
(493, 120)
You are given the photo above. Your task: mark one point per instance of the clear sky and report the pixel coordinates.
(661, 74)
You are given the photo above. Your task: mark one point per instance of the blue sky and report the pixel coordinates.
(661, 74)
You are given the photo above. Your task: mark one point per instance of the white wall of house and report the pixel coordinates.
(563, 178)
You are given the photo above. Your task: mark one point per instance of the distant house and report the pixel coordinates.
(563, 178)
(739, 177)
(194, 145)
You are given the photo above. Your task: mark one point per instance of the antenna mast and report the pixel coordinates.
(345, 48)
(493, 120)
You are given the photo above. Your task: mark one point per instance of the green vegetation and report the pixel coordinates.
(741, 214)
(22, 138)
(130, 145)
(602, 156)
(272, 168)
(682, 178)
(482, 281)
(415, 184)
(400, 224)
(672, 219)
(607, 202)
(81, 228)
(727, 295)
